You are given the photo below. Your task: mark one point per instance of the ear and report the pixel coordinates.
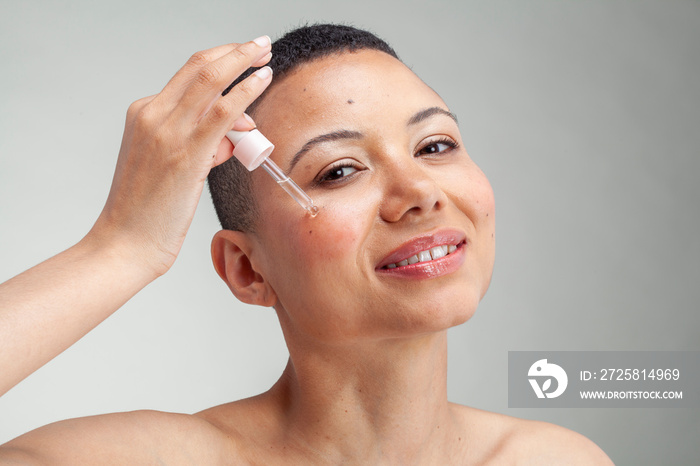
(231, 252)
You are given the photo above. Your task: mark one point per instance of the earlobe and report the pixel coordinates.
(231, 252)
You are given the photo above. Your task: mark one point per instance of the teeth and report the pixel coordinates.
(425, 256)
(438, 252)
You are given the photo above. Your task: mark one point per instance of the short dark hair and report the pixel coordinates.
(230, 183)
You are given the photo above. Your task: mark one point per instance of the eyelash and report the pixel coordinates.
(450, 143)
(323, 178)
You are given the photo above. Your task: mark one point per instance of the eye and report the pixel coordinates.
(437, 147)
(336, 173)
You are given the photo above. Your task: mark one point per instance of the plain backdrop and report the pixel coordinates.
(585, 116)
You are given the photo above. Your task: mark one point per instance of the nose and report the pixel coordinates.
(410, 193)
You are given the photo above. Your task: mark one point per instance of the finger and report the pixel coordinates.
(243, 123)
(212, 79)
(220, 119)
(263, 61)
(258, 64)
(183, 78)
(225, 151)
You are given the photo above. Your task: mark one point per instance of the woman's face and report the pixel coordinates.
(380, 155)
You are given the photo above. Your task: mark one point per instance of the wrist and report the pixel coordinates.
(126, 252)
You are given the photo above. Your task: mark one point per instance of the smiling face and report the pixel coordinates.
(380, 154)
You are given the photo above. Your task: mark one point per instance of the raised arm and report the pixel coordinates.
(170, 143)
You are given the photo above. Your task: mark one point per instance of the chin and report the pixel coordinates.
(437, 316)
(457, 316)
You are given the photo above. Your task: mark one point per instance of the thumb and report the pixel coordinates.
(225, 150)
(243, 123)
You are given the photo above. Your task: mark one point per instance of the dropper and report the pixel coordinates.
(253, 149)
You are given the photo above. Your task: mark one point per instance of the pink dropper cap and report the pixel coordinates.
(251, 148)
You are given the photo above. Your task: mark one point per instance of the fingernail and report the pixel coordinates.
(249, 119)
(243, 123)
(262, 41)
(264, 72)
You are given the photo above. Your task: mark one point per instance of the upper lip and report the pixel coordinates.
(424, 242)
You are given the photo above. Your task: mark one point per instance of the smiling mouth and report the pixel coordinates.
(428, 255)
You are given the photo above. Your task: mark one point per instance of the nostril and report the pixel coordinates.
(411, 191)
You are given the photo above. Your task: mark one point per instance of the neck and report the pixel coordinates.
(382, 400)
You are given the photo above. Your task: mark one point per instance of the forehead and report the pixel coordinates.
(349, 90)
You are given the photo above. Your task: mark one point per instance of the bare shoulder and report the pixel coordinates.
(252, 425)
(541, 443)
(512, 440)
(138, 437)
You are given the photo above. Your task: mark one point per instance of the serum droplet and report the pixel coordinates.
(312, 210)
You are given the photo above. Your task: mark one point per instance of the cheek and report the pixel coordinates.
(486, 205)
(323, 279)
(314, 253)
(479, 194)
(471, 192)
(332, 238)
(483, 217)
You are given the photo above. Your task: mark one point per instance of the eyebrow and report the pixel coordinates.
(334, 136)
(427, 113)
(347, 134)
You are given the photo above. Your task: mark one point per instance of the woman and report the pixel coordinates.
(401, 250)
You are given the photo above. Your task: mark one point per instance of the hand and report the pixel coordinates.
(170, 143)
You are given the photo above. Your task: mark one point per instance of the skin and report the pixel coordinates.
(366, 380)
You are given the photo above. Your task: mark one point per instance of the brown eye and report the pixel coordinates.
(437, 147)
(337, 173)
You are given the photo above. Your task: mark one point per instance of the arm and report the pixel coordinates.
(49, 307)
(170, 143)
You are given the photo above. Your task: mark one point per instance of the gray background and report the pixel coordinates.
(584, 115)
